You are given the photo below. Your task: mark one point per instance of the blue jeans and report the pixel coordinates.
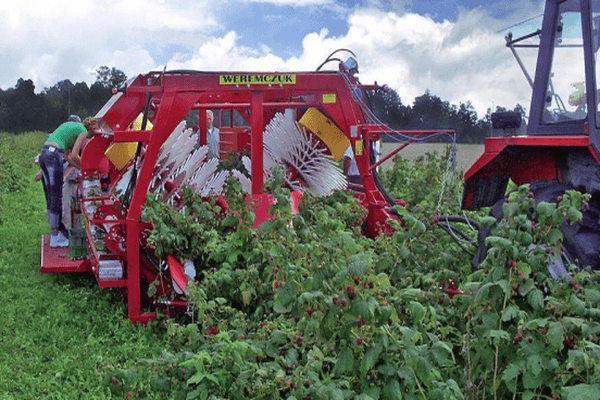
(51, 164)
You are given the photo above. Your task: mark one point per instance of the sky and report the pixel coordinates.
(453, 48)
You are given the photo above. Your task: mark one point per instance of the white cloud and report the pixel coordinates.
(65, 39)
(68, 39)
(295, 3)
(457, 61)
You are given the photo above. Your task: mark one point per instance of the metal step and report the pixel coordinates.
(56, 260)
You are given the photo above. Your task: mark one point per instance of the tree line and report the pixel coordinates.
(21, 109)
(428, 111)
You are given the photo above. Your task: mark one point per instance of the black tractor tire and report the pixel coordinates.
(581, 240)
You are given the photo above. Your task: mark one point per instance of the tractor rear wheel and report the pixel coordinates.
(581, 240)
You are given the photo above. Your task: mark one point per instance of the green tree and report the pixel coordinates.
(388, 108)
(22, 110)
(110, 78)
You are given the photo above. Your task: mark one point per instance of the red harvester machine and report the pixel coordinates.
(302, 120)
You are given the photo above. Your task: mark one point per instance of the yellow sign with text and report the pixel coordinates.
(258, 79)
(329, 98)
(358, 148)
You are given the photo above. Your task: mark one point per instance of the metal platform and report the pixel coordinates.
(56, 260)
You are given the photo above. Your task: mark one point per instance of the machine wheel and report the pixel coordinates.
(581, 241)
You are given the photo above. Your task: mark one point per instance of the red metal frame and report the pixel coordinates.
(56, 260)
(167, 97)
(538, 164)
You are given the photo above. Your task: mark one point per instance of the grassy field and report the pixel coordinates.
(466, 153)
(60, 335)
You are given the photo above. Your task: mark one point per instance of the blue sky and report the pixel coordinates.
(454, 48)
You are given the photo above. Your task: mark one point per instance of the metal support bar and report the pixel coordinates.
(256, 141)
(509, 44)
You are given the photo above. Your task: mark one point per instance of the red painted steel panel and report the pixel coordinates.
(56, 260)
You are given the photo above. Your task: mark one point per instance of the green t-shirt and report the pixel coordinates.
(66, 134)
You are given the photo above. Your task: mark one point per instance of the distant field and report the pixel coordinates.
(466, 153)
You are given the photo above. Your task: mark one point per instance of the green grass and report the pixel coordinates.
(60, 335)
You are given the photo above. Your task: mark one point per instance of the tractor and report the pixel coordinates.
(302, 122)
(561, 147)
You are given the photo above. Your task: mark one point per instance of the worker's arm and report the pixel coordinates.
(73, 157)
(347, 162)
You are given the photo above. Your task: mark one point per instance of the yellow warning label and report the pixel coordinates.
(326, 130)
(258, 79)
(358, 148)
(329, 98)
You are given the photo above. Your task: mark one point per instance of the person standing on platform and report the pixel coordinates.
(212, 136)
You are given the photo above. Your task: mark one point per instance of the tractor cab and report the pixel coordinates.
(564, 118)
(565, 92)
(560, 148)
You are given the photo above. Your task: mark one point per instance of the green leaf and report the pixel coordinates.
(279, 337)
(582, 391)
(555, 335)
(498, 333)
(534, 364)
(592, 295)
(410, 294)
(530, 380)
(487, 221)
(511, 372)
(388, 369)
(578, 322)
(358, 264)
(369, 360)
(497, 241)
(196, 378)
(365, 307)
(545, 209)
(336, 394)
(442, 353)
(418, 228)
(417, 311)
(291, 357)
(528, 395)
(392, 391)
(573, 215)
(329, 392)
(535, 298)
(510, 209)
(345, 362)
(328, 324)
(536, 323)
(525, 288)
(482, 293)
(372, 392)
(554, 236)
(284, 297)
(577, 305)
(200, 392)
(509, 313)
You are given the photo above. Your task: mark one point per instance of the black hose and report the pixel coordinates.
(133, 180)
(455, 238)
(328, 59)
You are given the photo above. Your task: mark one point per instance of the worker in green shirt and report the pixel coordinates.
(68, 137)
